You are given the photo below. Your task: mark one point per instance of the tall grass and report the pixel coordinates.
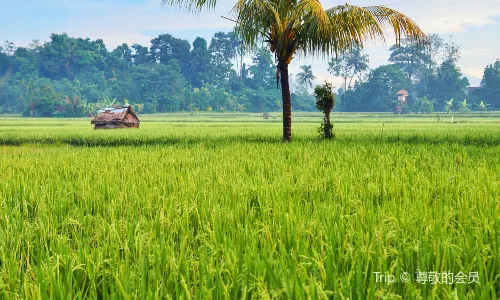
(223, 210)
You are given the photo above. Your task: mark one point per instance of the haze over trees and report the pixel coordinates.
(74, 76)
(490, 86)
(170, 75)
(68, 76)
(430, 74)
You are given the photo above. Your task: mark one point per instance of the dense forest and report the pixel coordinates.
(74, 77)
(430, 74)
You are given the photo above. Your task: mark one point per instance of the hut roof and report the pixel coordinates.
(472, 89)
(403, 92)
(113, 115)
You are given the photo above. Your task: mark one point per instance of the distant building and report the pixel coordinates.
(401, 107)
(402, 95)
(117, 117)
(472, 89)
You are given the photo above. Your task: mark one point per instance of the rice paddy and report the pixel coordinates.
(214, 206)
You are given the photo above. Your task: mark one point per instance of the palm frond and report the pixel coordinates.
(353, 25)
(308, 10)
(304, 26)
(254, 29)
(191, 5)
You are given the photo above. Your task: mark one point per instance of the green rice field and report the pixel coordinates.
(214, 206)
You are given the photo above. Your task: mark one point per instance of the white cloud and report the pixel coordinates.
(132, 22)
(136, 23)
(473, 72)
(477, 52)
(441, 16)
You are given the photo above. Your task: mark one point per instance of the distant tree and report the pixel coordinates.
(89, 109)
(240, 107)
(31, 94)
(199, 63)
(490, 85)
(409, 56)
(121, 58)
(239, 49)
(351, 64)
(448, 106)
(306, 77)
(378, 93)
(222, 51)
(8, 48)
(141, 55)
(7, 64)
(464, 107)
(166, 47)
(433, 54)
(482, 106)
(449, 82)
(10, 94)
(107, 102)
(424, 105)
(55, 56)
(262, 72)
(302, 100)
(75, 104)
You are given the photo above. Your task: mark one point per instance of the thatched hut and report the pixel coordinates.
(117, 117)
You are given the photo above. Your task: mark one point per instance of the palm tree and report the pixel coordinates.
(74, 102)
(70, 62)
(306, 77)
(31, 94)
(293, 27)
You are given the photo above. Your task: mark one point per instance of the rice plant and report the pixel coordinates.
(190, 207)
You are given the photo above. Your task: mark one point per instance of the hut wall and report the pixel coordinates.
(131, 120)
(110, 126)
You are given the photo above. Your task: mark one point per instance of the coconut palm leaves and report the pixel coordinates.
(306, 77)
(305, 26)
(193, 5)
(31, 94)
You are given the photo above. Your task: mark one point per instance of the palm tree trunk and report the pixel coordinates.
(287, 102)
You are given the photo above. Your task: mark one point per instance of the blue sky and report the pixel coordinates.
(472, 25)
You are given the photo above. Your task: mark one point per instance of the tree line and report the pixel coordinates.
(430, 74)
(68, 76)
